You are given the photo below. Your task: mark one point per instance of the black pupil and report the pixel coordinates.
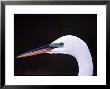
(61, 43)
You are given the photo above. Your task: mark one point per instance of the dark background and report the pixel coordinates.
(35, 30)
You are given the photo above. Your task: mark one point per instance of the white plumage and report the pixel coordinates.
(78, 48)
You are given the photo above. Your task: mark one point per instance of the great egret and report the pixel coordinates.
(70, 45)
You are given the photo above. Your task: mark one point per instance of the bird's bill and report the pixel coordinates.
(37, 51)
(41, 50)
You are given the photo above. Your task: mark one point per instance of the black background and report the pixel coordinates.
(35, 30)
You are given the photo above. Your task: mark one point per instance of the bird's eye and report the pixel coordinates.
(56, 45)
(61, 43)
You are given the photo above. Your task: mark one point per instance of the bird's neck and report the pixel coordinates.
(85, 63)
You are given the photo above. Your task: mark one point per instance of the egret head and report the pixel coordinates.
(71, 45)
(63, 45)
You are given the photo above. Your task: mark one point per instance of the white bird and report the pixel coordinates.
(70, 45)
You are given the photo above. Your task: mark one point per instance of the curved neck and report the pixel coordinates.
(85, 64)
